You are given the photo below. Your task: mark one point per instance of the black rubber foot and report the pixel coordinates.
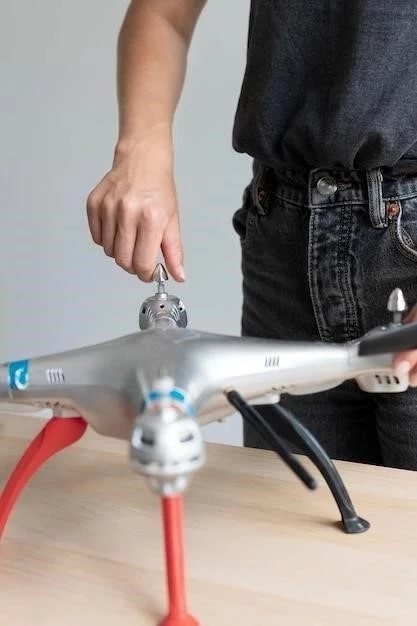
(355, 525)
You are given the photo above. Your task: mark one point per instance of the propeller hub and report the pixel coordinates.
(162, 309)
(166, 448)
(397, 305)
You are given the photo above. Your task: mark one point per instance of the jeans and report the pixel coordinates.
(321, 252)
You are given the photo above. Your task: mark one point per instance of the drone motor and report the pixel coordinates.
(162, 307)
(167, 445)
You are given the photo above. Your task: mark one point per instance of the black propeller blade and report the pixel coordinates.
(392, 340)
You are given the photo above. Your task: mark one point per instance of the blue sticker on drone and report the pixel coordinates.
(19, 375)
(176, 394)
(154, 395)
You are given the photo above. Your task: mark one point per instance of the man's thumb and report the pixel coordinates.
(172, 249)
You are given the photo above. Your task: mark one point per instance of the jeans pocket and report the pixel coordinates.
(402, 217)
(245, 218)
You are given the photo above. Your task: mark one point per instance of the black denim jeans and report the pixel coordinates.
(321, 252)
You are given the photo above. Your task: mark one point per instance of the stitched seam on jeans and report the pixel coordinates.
(397, 238)
(251, 228)
(351, 317)
(312, 272)
(280, 196)
(408, 196)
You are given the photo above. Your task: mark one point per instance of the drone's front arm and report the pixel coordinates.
(98, 382)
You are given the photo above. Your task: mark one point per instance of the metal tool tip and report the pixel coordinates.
(396, 301)
(160, 274)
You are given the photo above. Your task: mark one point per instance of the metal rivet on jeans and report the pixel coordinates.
(326, 186)
(261, 196)
(393, 208)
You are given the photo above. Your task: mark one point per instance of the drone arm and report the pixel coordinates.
(99, 364)
(98, 382)
(256, 367)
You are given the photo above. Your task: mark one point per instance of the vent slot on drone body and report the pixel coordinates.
(175, 313)
(147, 311)
(272, 360)
(385, 379)
(55, 375)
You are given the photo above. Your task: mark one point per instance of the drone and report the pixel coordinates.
(158, 387)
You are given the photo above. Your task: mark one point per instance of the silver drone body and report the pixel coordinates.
(155, 388)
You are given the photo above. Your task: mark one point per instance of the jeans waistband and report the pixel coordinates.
(321, 188)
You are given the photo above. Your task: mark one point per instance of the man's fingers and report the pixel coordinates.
(145, 254)
(133, 223)
(411, 315)
(94, 217)
(108, 224)
(125, 237)
(148, 244)
(406, 363)
(124, 245)
(403, 362)
(172, 249)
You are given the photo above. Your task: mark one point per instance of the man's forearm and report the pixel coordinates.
(152, 56)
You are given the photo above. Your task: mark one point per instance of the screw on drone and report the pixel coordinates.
(160, 275)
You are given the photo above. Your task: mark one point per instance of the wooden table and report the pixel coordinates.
(84, 543)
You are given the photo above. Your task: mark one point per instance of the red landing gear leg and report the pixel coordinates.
(172, 509)
(57, 434)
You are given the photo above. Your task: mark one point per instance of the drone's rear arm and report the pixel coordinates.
(255, 367)
(262, 369)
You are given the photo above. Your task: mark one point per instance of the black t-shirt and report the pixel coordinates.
(329, 83)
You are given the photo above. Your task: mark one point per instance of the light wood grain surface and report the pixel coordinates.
(84, 543)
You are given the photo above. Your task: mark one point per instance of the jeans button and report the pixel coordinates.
(326, 186)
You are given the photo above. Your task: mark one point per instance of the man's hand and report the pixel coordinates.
(405, 362)
(133, 212)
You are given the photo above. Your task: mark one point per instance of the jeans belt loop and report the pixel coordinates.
(377, 211)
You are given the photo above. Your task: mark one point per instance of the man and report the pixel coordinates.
(328, 224)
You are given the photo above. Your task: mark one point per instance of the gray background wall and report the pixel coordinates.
(58, 121)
